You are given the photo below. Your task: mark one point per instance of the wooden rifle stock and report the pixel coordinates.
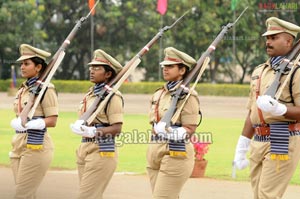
(111, 85)
(271, 91)
(36, 89)
(193, 73)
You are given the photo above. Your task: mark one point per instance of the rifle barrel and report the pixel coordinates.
(36, 89)
(105, 91)
(193, 73)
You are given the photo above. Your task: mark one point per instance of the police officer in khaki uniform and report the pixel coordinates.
(32, 148)
(97, 157)
(171, 159)
(275, 149)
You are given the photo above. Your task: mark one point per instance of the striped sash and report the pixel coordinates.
(106, 144)
(177, 148)
(279, 138)
(35, 138)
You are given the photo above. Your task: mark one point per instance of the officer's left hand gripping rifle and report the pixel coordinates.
(39, 88)
(110, 88)
(198, 69)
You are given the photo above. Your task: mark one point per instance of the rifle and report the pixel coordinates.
(192, 74)
(276, 83)
(39, 88)
(115, 83)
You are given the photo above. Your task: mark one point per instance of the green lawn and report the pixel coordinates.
(132, 144)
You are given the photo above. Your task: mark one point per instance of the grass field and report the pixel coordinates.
(132, 147)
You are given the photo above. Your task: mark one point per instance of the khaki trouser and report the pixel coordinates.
(270, 178)
(168, 174)
(94, 171)
(29, 166)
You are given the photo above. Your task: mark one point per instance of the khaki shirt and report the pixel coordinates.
(114, 111)
(48, 105)
(266, 80)
(162, 99)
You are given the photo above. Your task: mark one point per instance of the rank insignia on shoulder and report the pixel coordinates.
(154, 102)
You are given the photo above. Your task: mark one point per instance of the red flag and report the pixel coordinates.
(91, 5)
(162, 6)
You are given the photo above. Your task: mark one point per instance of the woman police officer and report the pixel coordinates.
(97, 157)
(32, 147)
(170, 158)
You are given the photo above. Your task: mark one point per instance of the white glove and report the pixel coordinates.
(267, 104)
(75, 127)
(38, 124)
(160, 128)
(82, 130)
(171, 133)
(242, 147)
(176, 133)
(88, 131)
(16, 124)
(79, 122)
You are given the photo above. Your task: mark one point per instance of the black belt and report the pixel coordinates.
(158, 138)
(21, 131)
(99, 125)
(85, 139)
(102, 139)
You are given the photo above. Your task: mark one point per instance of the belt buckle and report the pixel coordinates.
(261, 130)
(294, 127)
(258, 131)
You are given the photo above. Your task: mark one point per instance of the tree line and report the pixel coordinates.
(123, 27)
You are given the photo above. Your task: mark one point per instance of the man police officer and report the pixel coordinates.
(275, 149)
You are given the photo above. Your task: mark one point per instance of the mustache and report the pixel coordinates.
(270, 47)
